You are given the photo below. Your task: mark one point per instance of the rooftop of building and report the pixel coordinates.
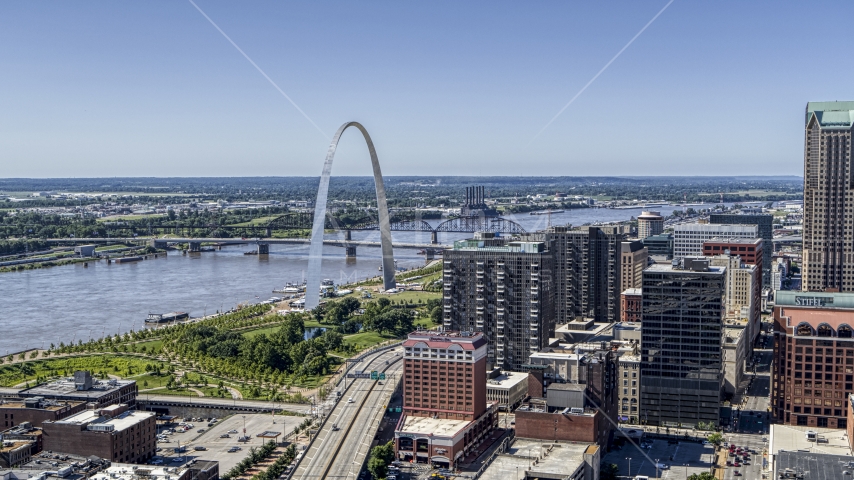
(445, 339)
(119, 423)
(711, 227)
(66, 387)
(632, 291)
(12, 445)
(650, 215)
(45, 404)
(586, 326)
(127, 471)
(636, 326)
(809, 466)
(491, 242)
(794, 437)
(685, 267)
(831, 114)
(630, 357)
(732, 335)
(506, 380)
(441, 427)
(53, 461)
(567, 387)
(735, 241)
(556, 460)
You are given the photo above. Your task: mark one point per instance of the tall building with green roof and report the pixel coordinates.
(828, 248)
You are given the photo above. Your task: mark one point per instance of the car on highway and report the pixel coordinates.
(334, 427)
(233, 449)
(200, 448)
(350, 400)
(232, 431)
(225, 435)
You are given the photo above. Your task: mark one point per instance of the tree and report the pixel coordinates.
(609, 471)
(715, 438)
(381, 457)
(702, 476)
(436, 315)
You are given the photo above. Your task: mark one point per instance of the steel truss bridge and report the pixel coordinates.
(299, 220)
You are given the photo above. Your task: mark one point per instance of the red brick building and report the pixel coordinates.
(813, 366)
(631, 301)
(561, 427)
(749, 249)
(36, 411)
(445, 411)
(112, 433)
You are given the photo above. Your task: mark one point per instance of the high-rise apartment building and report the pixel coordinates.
(633, 260)
(586, 272)
(649, 224)
(683, 320)
(765, 224)
(504, 289)
(828, 253)
(688, 238)
(445, 411)
(813, 366)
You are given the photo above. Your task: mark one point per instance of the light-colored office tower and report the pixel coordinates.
(828, 256)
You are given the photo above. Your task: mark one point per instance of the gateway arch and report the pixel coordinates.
(315, 257)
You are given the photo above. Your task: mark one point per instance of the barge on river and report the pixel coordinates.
(166, 317)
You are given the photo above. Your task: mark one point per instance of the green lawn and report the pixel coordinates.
(366, 339)
(152, 347)
(100, 365)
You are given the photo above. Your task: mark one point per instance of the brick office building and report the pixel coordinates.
(631, 301)
(112, 433)
(750, 250)
(84, 388)
(813, 366)
(445, 412)
(36, 410)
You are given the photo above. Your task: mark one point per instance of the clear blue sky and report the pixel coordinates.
(456, 88)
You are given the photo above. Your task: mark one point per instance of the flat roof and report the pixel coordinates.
(441, 427)
(14, 445)
(129, 471)
(561, 459)
(568, 387)
(809, 466)
(51, 407)
(119, 423)
(67, 388)
(664, 268)
(632, 291)
(745, 241)
(793, 437)
(506, 380)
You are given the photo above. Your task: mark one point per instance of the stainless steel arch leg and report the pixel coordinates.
(315, 258)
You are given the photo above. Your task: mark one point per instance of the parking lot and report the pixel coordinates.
(212, 445)
(682, 459)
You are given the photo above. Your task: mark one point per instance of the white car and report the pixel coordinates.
(350, 400)
(662, 466)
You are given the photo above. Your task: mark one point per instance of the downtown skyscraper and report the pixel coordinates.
(828, 251)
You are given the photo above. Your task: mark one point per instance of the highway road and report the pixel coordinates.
(338, 449)
(357, 442)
